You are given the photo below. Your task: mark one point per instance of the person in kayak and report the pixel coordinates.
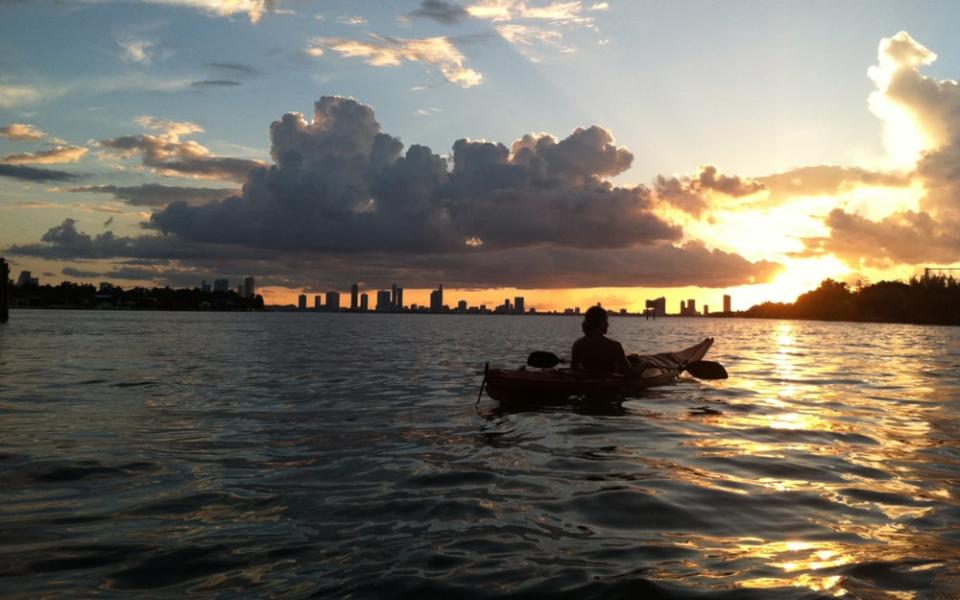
(595, 352)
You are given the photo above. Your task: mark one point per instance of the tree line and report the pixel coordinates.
(79, 295)
(930, 301)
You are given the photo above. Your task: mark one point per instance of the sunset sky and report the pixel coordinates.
(567, 151)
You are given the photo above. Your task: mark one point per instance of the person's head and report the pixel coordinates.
(594, 321)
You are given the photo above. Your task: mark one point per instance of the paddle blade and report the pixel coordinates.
(707, 369)
(543, 360)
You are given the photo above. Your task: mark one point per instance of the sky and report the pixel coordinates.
(567, 151)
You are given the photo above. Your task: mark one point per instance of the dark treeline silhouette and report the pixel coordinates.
(76, 295)
(930, 301)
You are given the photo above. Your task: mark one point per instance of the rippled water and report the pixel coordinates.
(295, 455)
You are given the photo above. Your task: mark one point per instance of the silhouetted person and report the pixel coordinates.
(595, 352)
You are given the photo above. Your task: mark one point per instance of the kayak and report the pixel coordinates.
(558, 385)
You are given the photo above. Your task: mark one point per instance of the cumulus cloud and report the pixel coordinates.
(137, 51)
(22, 132)
(339, 184)
(34, 174)
(381, 51)
(447, 13)
(166, 153)
(690, 194)
(153, 194)
(921, 116)
(52, 156)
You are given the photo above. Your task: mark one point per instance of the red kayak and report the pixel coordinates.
(552, 386)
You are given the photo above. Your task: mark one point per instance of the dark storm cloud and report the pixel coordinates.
(215, 83)
(153, 194)
(340, 185)
(689, 193)
(34, 173)
(447, 13)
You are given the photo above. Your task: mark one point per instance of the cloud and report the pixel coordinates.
(907, 237)
(34, 174)
(55, 155)
(382, 51)
(447, 13)
(340, 185)
(234, 69)
(921, 117)
(354, 20)
(72, 272)
(22, 132)
(17, 95)
(153, 194)
(215, 83)
(342, 194)
(254, 9)
(168, 155)
(689, 194)
(137, 51)
(527, 24)
(829, 180)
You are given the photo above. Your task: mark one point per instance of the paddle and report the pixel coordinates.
(701, 369)
(707, 369)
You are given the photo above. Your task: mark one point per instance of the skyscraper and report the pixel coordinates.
(364, 302)
(204, 286)
(398, 303)
(317, 302)
(393, 295)
(518, 306)
(383, 301)
(333, 301)
(436, 300)
(354, 296)
(726, 303)
(302, 302)
(250, 287)
(241, 291)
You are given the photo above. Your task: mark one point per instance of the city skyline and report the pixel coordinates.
(507, 148)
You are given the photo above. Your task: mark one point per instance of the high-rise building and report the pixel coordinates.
(657, 307)
(317, 302)
(204, 286)
(683, 308)
(383, 301)
(26, 279)
(726, 303)
(241, 291)
(250, 287)
(398, 303)
(706, 309)
(302, 302)
(436, 300)
(393, 295)
(354, 296)
(518, 305)
(364, 302)
(462, 306)
(221, 285)
(333, 301)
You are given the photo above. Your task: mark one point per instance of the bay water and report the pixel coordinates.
(294, 455)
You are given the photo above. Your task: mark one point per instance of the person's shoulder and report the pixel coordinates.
(580, 342)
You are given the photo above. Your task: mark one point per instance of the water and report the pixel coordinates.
(294, 455)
